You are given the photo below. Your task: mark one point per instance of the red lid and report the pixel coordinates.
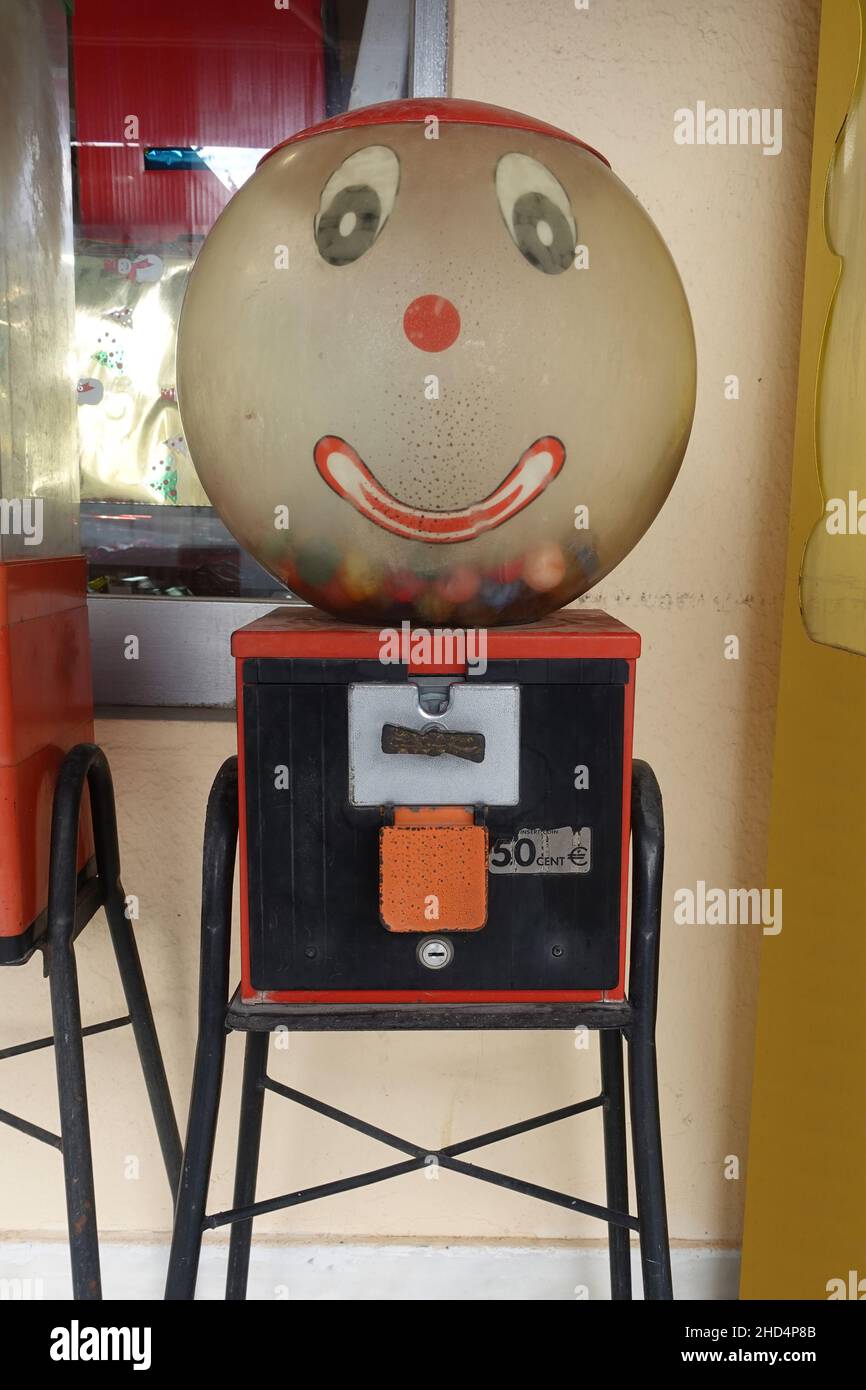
(445, 109)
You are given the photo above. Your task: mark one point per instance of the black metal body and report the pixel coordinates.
(633, 1019)
(313, 859)
(72, 902)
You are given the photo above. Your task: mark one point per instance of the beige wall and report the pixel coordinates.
(711, 566)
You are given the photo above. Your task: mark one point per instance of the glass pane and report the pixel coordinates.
(170, 114)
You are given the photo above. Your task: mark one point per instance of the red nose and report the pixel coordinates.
(431, 323)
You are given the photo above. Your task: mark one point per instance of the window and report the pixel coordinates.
(170, 113)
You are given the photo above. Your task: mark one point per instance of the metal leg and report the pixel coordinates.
(615, 1160)
(249, 1140)
(74, 1122)
(132, 979)
(144, 1029)
(220, 842)
(648, 1172)
(648, 866)
(66, 1022)
(87, 763)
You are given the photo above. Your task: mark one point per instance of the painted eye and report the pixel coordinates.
(356, 203)
(537, 213)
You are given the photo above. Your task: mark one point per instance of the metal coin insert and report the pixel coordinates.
(462, 749)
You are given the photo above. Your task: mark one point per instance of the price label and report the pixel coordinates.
(559, 851)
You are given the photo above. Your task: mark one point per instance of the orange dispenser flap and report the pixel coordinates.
(433, 870)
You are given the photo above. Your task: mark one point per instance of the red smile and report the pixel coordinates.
(345, 471)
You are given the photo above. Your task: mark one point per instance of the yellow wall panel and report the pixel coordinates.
(806, 1199)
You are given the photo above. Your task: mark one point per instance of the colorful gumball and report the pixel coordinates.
(359, 576)
(544, 567)
(461, 585)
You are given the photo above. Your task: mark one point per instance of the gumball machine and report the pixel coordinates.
(436, 371)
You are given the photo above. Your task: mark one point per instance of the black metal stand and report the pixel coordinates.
(633, 1019)
(71, 905)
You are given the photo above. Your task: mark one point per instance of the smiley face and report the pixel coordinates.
(436, 370)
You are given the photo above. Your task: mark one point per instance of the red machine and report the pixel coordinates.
(435, 433)
(436, 371)
(360, 784)
(46, 707)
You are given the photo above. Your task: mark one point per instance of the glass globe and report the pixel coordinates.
(435, 363)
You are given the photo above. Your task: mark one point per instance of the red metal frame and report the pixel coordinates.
(568, 635)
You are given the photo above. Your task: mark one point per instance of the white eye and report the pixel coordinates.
(537, 213)
(356, 203)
